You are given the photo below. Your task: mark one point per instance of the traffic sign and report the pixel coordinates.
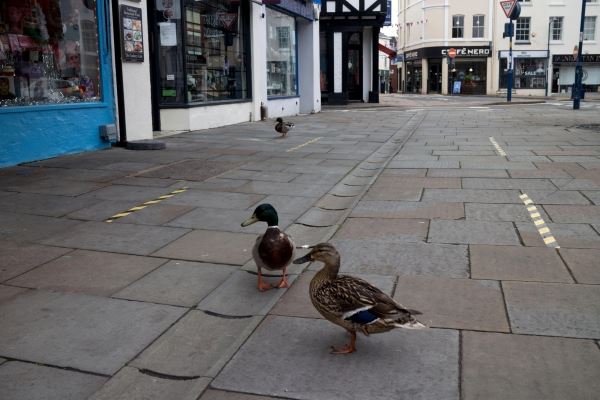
(507, 6)
(452, 52)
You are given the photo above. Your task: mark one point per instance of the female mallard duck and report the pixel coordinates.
(273, 250)
(283, 127)
(352, 303)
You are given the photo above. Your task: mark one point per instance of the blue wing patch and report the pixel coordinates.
(362, 317)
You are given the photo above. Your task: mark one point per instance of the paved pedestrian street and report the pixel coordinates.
(483, 216)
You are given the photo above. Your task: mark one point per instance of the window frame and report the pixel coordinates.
(459, 28)
(586, 29)
(553, 28)
(522, 20)
(295, 41)
(478, 27)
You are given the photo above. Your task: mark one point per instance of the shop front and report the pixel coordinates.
(433, 70)
(530, 70)
(563, 75)
(56, 84)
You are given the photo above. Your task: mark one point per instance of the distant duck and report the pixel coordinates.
(283, 127)
(273, 250)
(352, 303)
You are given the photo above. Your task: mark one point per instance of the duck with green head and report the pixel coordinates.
(352, 303)
(274, 249)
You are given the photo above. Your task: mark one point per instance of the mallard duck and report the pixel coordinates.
(352, 303)
(274, 249)
(283, 127)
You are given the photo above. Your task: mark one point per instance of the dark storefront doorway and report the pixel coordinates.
(354, 70)
(435, 76)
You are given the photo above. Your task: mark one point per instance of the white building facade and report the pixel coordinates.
(545, 36)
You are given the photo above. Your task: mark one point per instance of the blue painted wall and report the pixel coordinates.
(39, 132)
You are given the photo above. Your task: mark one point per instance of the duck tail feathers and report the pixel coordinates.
(410, 325)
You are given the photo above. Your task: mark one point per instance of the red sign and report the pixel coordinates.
(452, 52)
(507, 6)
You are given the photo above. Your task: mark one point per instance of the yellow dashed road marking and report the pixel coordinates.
(146, 204)
(303, 144)
(497, 146)
(539, 222)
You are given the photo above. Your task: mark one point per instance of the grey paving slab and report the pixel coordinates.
(211, 394)
(60, 187)
(401, 209)
(574, 213)
(287, 189)
(321, 218)
(393, 193)
(583, 264)
(224, 220)
(264, 176)
(131, 384)
(31, 228)
(128, 166)
(198, 198)
(92, 272)
(8, 293)
(293, 205)
(343, 190)
(102, 210)
(500, 212)
(180, 283)
(119, 238)
(431, 163)
(594, 196)
(404, 172)
(19, 381)
(454, 303)
(331, 202)
(302, 234)
(2, 361)
(156, 214)
(469, 163)
(567, 310)
(575, 184)
(471, 196)
(238, 295)
(192, 170)
(499, 366)
(356, 181)
(398, 258)
(213, 184)
(577, 236)
(557, 197)
(541, 173)
(472, 232)
(518, 263)
(318, 179)
(84, 332)
(138, 194)
(148, 182)
(466, 173)
(211, 246)
(183, 352)
(512, 183)
(384, 229)
(319, 169)
(300, 344)
(43, 204)
(17, 258)
(91, 175)
(423, 182)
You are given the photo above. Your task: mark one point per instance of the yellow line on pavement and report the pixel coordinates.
(145, 204)
(303, 144)
(538, 221)
(497, 146)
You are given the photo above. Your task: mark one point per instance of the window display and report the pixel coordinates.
(211, 64)
(529, 73)
(48, 52)
(281, 54)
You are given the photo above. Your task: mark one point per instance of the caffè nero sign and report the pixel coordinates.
(442, 52)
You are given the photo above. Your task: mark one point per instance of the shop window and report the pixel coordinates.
(556, 26)
(458, 26)
(323, 62)
(589, 28)
(48, 52)
(211, 63)
(478, 26)
(529, 73)
(281, 54)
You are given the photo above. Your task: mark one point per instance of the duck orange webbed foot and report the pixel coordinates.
(347, 349)
(283, 283)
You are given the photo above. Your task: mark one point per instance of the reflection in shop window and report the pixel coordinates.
(48, 52)
(529, 73)
(281, 54)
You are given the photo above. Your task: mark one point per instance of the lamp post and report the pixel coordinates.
(550, 24)
(578, 67)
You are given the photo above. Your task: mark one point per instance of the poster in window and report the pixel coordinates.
(131, 33)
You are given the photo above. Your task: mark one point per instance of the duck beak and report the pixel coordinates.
(302, 260)
(250, 220)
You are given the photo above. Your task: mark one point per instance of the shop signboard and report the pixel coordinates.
(132, 42)
(388, 15)
(442, 52)
(569, 58)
